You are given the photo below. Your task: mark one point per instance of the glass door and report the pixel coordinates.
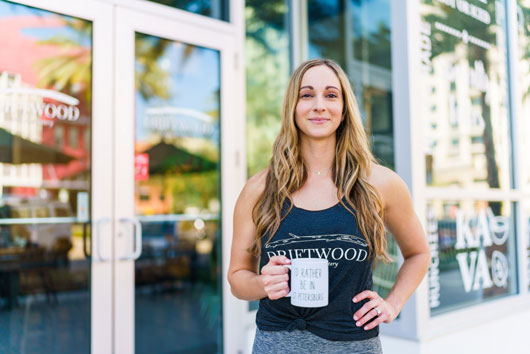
(170, 184)
(55, 132)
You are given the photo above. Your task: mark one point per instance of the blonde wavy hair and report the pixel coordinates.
(287, 172)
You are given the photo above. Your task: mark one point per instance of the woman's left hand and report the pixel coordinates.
(377, 310)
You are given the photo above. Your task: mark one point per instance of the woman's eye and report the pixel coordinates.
(332, 95)
(305, 95)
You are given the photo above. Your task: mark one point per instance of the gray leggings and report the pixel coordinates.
(294, 342)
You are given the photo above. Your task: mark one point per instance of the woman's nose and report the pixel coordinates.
(319, 105)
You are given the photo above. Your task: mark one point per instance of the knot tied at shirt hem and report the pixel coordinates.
(299, 323)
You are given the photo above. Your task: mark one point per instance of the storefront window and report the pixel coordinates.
(326, 30)
(473, 250)
(267, 63)
(45, 90)
(267, 72)
(464, 94)
(523, 83)
(177, 196)
(356, 34)
(212, 8)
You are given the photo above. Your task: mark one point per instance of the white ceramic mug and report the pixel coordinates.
(309, 282)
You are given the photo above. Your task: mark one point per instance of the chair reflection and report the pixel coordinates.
(34, 270)
(173, 259)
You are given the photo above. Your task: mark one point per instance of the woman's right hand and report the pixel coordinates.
(274, 277)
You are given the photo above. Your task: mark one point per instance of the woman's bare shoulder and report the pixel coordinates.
(387, 182)
(253, 188)
(380, 175)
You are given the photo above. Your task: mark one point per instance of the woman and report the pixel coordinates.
(323, 180)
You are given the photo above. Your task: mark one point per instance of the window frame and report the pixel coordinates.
(410, 165)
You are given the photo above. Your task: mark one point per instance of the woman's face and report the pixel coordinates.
(319, 108)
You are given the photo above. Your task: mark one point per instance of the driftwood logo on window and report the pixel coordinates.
(21, 101)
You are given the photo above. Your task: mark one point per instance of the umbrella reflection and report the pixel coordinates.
(17, 150)
(164, 157)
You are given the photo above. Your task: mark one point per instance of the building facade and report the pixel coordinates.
(128, 128)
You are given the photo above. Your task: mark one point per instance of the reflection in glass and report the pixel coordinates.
(473, 250)
(464, 95)
(212, 8)
(356, 34)
(523, 78)
(177, 197)
(45, 90)
(267, 71)
(326, 30)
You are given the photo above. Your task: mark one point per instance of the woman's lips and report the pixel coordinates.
(319, 120)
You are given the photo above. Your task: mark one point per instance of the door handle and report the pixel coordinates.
(97, 232)
(85, 251)
(137, 239)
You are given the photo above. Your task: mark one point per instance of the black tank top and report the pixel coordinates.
(333, 234)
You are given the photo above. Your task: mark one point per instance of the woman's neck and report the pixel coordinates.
(318, 155)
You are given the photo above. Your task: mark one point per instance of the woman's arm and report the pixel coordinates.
(401, 220)
(243, 274)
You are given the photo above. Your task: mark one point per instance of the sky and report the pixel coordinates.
(43, 33)
(192, 83)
